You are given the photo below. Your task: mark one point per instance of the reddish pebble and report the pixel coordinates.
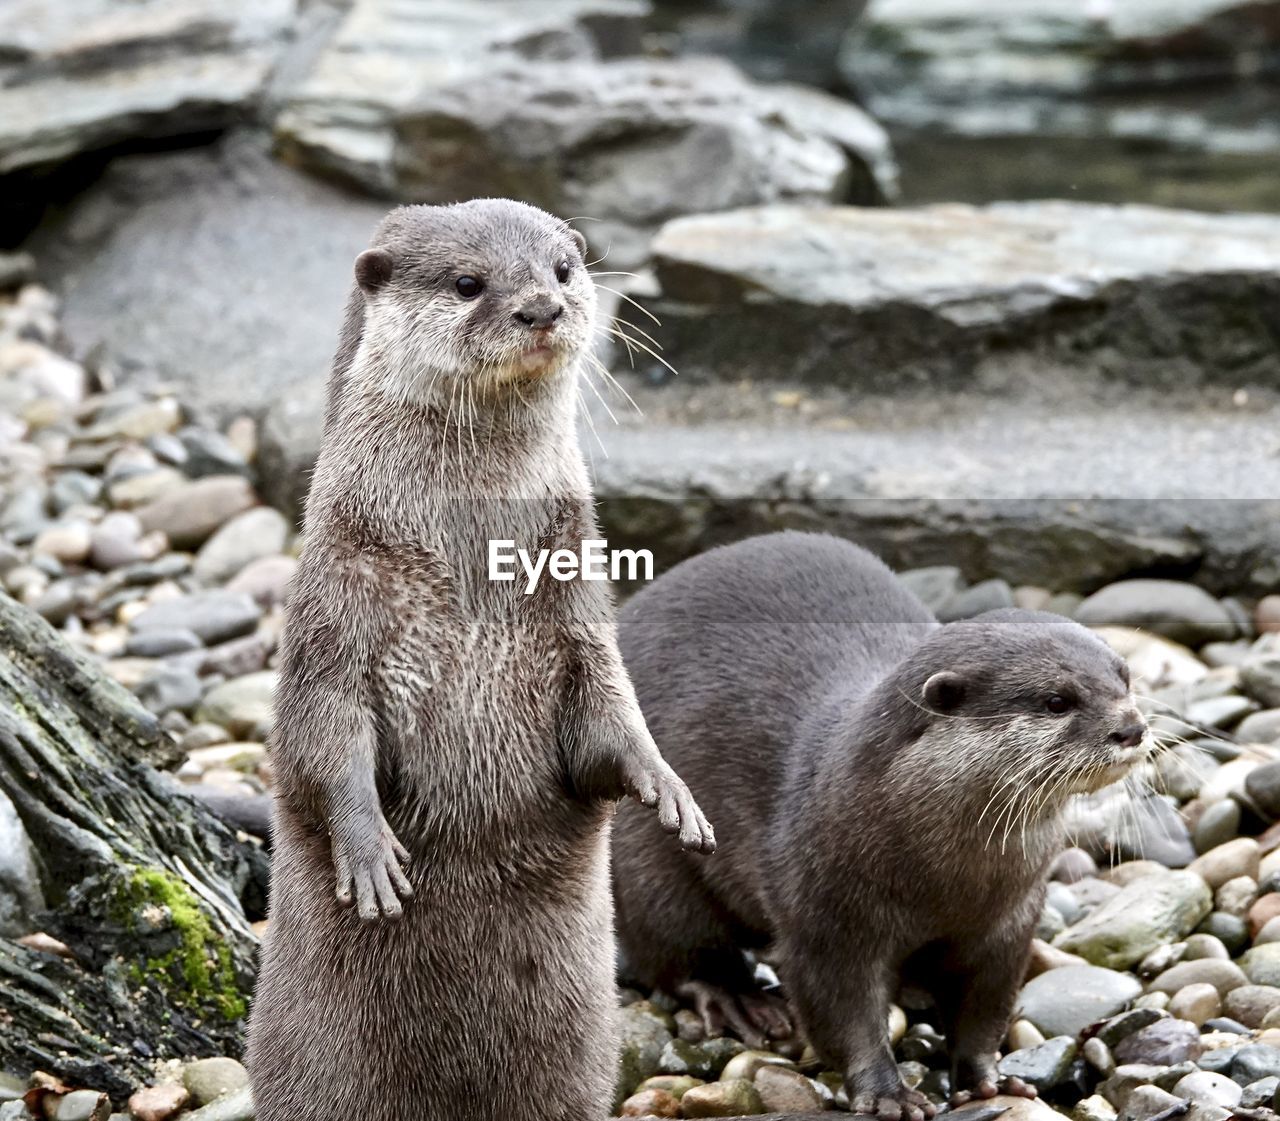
(158, 1103)
(1263, 911)
(651, 1103)
(1266, 616)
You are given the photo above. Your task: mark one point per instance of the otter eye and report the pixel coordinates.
(469, 287)
(562, 271)
(1057, 704)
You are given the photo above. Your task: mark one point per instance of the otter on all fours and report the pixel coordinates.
(446, 747)
(887, 793)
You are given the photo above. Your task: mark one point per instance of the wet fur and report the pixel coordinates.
(486, 731)
(863, 837)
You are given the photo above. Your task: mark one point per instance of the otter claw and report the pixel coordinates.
(371, 876)
(677, 810)
(908, 1105)
(987, 1088)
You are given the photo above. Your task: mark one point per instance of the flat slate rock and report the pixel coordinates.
(1042, 67)
(875, 299)
(337, 117)
(79, 75)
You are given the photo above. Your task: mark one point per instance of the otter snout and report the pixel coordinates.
(1130, 735)
(540, 312)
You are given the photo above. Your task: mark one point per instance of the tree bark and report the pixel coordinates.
(144, 885)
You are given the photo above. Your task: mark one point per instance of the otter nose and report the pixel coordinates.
(1130, 735)
(542, 311)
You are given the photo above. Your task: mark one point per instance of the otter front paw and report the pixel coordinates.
(369, 871)
(662, 788)
(990, 1087)
(901, 1105)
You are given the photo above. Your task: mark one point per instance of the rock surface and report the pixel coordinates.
(80, 75)
(862, 298)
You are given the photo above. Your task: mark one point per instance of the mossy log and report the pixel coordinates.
(144, 885)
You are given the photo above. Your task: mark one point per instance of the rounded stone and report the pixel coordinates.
(266, 579)
(1254, 1061)
(1266, 615)
(787, 1091)
(1225, 862)
(1167, 1042)
(1173, 609)
(158, 1103)
(251, 536)
(1209, 1089)
(1250, 1004)
(1218, 824)
(745, 1064)
(1264, 910)
(1065, 1001)
(68, 542)
(208, 1079)
(1235, 897)
(1230, 930)
(651, 1103)
(1196, 1003)
(1073, 865)
(1201, 945)
(1262, 784)
(188, 514)
(1222, 975)
(1261, 964)
(734, 1098)
(215, 616)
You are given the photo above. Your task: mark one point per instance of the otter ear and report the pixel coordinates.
(373, 270)
(580, 241)
(944, 692)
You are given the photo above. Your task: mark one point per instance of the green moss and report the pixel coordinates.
(200, 968)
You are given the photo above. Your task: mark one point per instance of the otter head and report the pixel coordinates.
(1031, 703)
(490, 295)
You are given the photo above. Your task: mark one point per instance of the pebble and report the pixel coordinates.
(208, 1079)
(1218, 824)
(722, 1099)
(701, 1060)
(253, 535)
(1269, 933)
(1044, 1066)
(1200, 945)
(265, 579)
(1212, 1089)
(1165, 1043)
(677, 1085)
(651, 1103)
(1093, 1108)
(746, 1064)
(1172, 609)
(82, 1105)
(1250, 1004)
(1260, 727)
(1225, 862)
(236, 1106)
(1264, 909)
(206, 452)
(159, 1103)
(160, 642)
(1024, 1034)
(1196, 1003)
(1261, 964)
(169, 689)
(787, 1091)
(1235, 897)
(214, 616)
(1260, 678)
(1073, 865)
(119, 540)
(1222, 975)
(1230, 930)
(1260, 1093)
(1266, 615)
(68, 542)
(1254, 1061)
(1262, 784)
(1065, 1001)
(1098, 1055)
(190, 513)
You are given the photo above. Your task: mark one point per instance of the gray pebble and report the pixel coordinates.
(1218, 824)
(160, 642)
(1254, 1061)
(215, 616)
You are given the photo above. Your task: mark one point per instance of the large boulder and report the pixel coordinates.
(529, 101)
(337, 119)
(879, 299)
(1024, 97)
(80, 75)
(634, 142)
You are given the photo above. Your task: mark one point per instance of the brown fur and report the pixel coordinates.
(446, 748)
(887, 793)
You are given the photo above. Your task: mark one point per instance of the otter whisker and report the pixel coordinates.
(621, 389)
(620, 322)
(591, 424)
(623, 296)
(603, 403)
(637, 343)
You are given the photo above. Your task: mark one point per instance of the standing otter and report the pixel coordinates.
(886, 790)
(446, 747)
